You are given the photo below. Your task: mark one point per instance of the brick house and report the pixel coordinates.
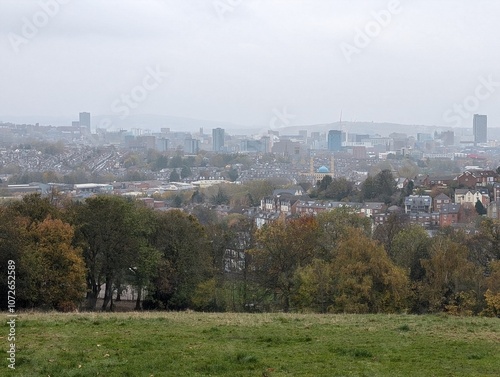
(473, 178)
(440, 200)
(449, 214)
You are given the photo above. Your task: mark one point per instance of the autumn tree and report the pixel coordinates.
(316, 287)
(386, 232)
(57, 269)
(451, 281)
(281, 248)
(366, 280)
(334, 225)
(492, 295)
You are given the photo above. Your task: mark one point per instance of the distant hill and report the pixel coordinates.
(155, 122)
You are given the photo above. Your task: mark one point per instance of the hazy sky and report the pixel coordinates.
(432, 62)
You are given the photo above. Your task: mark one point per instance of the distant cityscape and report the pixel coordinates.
(139, 162)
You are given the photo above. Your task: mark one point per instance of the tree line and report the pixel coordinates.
(66, 255)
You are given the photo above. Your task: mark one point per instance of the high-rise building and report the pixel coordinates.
(480, 128)
(85, 120)
(191, 146)
(217, 139)
(334, 140)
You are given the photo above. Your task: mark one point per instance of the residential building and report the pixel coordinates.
(470, 197)
(473, 178)
(449, 214)
(418, 203)
(496, 192)
(494, 210)
(370, 209)
(440, 200)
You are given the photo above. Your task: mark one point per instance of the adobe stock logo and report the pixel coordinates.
(372, 30)
(471, 103)
(223, 6)
(281, 119)
(32, 25)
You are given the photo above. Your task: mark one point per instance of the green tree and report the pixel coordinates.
(184, 248)
(185, 172)
(339, 189)
(480, 208)
(409, 247)
(35, 208)
(324, 183)
(12, 242)
(174, 176)
(233, 174)
(107, 228)
(369, 190)
(220, 198)
(176, 162)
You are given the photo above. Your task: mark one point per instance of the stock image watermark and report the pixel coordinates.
(373, 28)
(132, 99)
(470, 104)
(281, 119)
(139, 93)
(11, 316)
(31, 26)
(222, 7)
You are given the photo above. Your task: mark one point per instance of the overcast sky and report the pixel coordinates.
(250, 61)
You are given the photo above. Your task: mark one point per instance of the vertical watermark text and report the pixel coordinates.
(11, 316)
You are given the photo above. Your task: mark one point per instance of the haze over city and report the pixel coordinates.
(247, 62)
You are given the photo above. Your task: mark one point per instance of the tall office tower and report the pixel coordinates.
(334, 140)
(85, 120)
(217, 139)
(191, 146)
(480, 126)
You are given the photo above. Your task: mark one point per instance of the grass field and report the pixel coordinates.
(200, 344)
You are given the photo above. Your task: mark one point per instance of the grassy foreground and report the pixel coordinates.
(201, 344)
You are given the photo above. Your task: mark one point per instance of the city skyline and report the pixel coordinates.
(252, 63)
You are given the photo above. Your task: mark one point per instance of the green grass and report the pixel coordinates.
(272, 345)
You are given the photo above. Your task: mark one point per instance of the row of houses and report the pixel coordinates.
(470, 179)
